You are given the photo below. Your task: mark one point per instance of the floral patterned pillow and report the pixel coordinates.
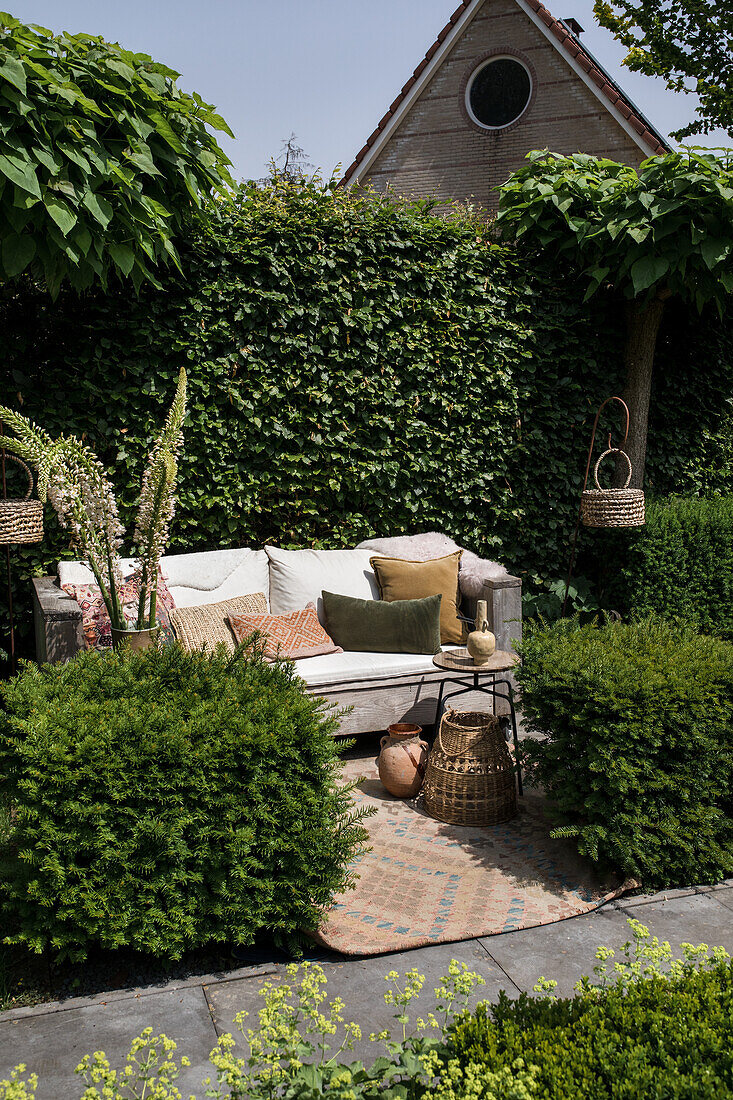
(95, 619)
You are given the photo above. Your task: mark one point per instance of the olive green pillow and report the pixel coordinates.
(373, 626)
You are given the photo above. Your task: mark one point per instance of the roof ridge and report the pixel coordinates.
(572, 46)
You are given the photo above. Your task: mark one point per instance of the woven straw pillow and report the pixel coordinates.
(208, 626)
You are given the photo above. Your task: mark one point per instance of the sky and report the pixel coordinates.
(325, 70)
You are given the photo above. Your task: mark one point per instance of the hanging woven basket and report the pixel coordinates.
(470, 777)
(612, 507)
(21, 521)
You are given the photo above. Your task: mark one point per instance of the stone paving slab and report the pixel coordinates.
(725, 897)
(701, 918)
(360, 984)
(662, 895)
(106, 997)
(563, 951)
(566, 951)
(52, 1045)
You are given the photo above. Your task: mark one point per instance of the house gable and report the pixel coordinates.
(427, 143)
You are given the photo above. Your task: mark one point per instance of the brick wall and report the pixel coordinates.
(437, 151)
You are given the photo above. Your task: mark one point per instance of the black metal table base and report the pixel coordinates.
(486, 689)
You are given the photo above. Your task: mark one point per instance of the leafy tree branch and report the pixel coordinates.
(687, 42)
(102, 158)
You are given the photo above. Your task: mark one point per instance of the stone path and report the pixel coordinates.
(52, 1038)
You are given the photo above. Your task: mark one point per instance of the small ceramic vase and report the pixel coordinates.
(402, 760)
(135, 639)
(481, 643)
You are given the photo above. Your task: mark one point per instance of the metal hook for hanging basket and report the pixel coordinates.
(610, 446)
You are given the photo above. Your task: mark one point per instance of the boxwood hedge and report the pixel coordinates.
(681, 563)
(359, 366)
(636, 744)
(655, 1038)
(163, 801)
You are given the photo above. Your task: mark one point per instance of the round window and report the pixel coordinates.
(498, 92)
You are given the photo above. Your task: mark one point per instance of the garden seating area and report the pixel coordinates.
(378, 686)
(306, 547)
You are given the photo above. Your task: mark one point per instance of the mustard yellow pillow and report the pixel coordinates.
(414, 580)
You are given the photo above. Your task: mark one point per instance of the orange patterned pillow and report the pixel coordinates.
(293, 637)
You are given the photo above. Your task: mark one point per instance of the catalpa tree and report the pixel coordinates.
(689, 43)
(102, 156)
(661, 232)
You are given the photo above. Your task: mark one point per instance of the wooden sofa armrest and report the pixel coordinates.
(504, 609)
(57, 620)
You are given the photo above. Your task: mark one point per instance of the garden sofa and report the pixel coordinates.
(381, 687)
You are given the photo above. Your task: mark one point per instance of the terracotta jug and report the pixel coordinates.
(402, 760)
(481, 642)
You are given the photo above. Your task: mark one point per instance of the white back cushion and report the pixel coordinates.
(214, 575)
(78, 572)
(195, 579)
(298, 577)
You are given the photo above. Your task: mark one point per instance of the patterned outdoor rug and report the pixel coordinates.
(427, 882)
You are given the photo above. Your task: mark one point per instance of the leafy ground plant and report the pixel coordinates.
(544, 601)
(646, 1024)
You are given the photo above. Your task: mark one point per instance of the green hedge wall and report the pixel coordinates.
(681, 563)
(356, 367)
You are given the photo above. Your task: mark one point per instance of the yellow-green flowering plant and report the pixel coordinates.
(297, 1049)
(296, 1052)
(17, 1087)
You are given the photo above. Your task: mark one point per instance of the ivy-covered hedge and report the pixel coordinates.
(359, 366)
(681, 563)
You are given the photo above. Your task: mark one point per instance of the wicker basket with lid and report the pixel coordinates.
(470, 778)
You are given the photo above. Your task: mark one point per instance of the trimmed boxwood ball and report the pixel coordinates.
(162, 800)
(636, 744)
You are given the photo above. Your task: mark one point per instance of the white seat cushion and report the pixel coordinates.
(336, 668)
(298, 577)
(215, 575)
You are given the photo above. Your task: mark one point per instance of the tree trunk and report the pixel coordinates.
(642, 326)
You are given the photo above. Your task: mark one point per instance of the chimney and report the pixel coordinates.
(573, 25)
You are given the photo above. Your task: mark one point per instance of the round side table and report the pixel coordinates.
(470, 677)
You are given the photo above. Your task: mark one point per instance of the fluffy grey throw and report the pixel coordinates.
(473, 570)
